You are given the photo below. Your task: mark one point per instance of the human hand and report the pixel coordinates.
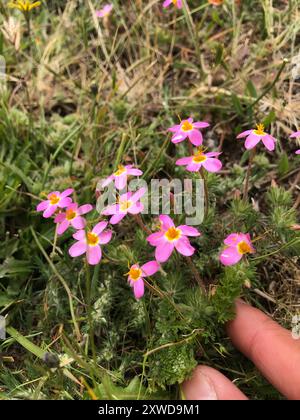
(271, 348)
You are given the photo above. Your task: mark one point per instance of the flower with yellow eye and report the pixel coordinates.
(24, 6)
(105, 11)
(188, 129)
(120, 176)
(194, 163)
(89, 243)
(55, 200)
(237, 245)
(136, 276)
(72, 216)
(127, 203)
(253, 137)
(176, 3)
(170, 237)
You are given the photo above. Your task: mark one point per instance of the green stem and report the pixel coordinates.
(89, 310)
(206, 196)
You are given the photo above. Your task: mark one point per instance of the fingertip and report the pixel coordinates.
(209, 384)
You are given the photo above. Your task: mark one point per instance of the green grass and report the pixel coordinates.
(81, 97)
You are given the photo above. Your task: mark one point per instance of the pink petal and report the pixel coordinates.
(107, 181)
(136, 208)
(134, 171)
(178, 138)
(269, 142)
(189, 230)
(93, 254)
(233, 239)
(167, 3)
(230, 256)
(78, 222)
(213, 154)
(193, 167)
(64, 202)
(105, 237)
(43, 205)
(60, 217)
(137, 195)
(49, 211)
(77, 249)
(200, 124)
(195, 137)
(163, 251)
(297, 152)
(212, 165)
(175, 128)
(155, 238)
(138, 288)
(121, 181)
(150, 268)
(116, 218)
(184, 161)
(86, 208)
(54, 193)
(166, 221)
(252, 141)
(244, 134)
(179, 4)
(295, 135)
(63, 226)
(109, 210)
(67, 192)
(184, 247)
(99, 227)
(79, 235)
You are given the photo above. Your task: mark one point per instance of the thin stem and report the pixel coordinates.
(89, 310)
(248, 175)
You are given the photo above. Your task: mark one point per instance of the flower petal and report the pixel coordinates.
(86, 208)
(179, 137)
(79, 235)
(175, 128)
(67, 192)
(49, 211)
(155, 238)
(77, 249)
(201, 124)
(60, 217)
(136, 208)
(62, 227)
(121, 181)
(93, 254)
(212, 165)
(163, 251)
(166, 221)
(138, 288)
(99, 227)
(43, 205)
(184, 161)
(150, 268)
(269, 142)
(137, 195)
(109, 210)
(189, 230)
(251, 141)
(184, 247)
(244, 134)
(230, 256)
(193, 167)
(107, 181)
(295, 135)
(195, 137)
(64, 202)
(134, 171)
(105, 237)
(78, 222)
(116, 218)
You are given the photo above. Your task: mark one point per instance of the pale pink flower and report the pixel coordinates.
(136, 276)
(120, 176)
(297, 152)
(127, 203)
(293, 136)
(89, 243)
(176, 3)
(207, 160)
(188, 129)
(55, 200)
(105, 11)
(237, 245)
(170, 237)
(253, 137)
(72, 216)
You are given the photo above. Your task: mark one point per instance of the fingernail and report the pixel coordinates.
(205, 388)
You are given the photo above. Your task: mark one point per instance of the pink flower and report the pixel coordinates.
(136, 276)
(237, 245)
(170, 237)
(55, 200)
(293, 136)
(89, 243)
(128, 203)
(72, 216)
(190, 129)
(120, 176)
(177, 3)
(254, 137)
(105, 11)
(207, 160)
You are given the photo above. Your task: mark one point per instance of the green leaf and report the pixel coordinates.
(251, 89)
(283, 164)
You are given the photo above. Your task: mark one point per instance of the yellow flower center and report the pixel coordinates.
(70, 214)
(260, 130)
(54, 199)
(186, 126)
(244, 248)
(174, 2)
(173, 234)
(125, 205)
(92, 239)
(120, 171)
(135, 273)
(199, 157)
(24, 5)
